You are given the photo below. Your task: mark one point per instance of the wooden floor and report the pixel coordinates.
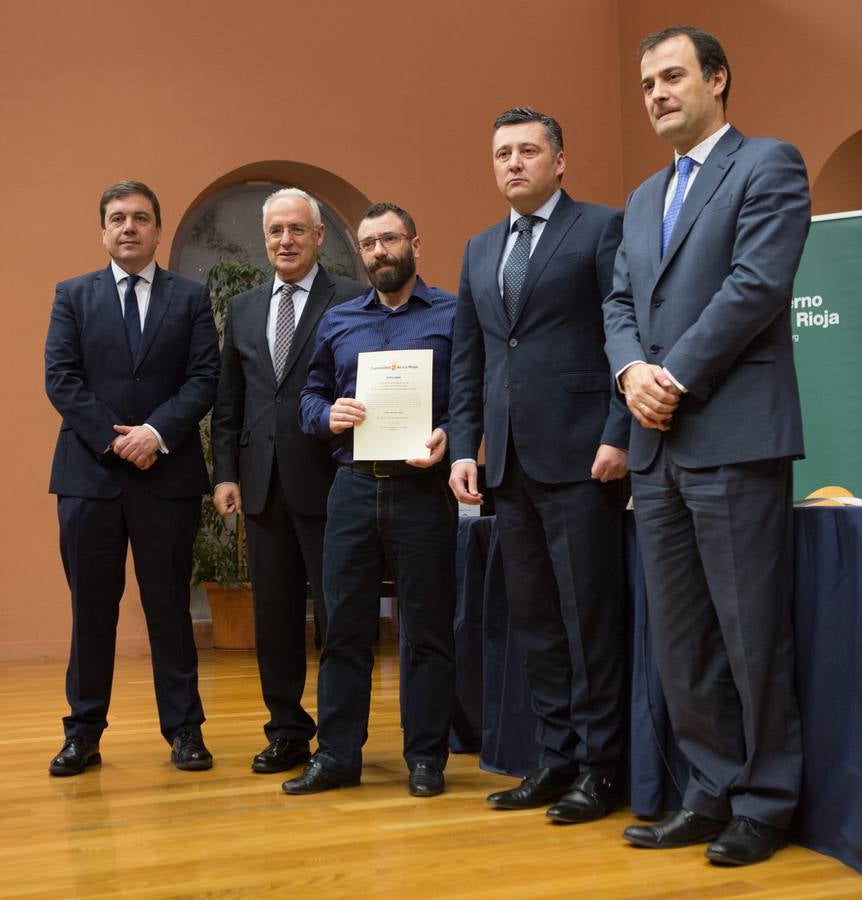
(137, 827)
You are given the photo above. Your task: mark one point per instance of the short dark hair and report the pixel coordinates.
(125, 189)
(710, 54)
(517, 115)
(376, 210)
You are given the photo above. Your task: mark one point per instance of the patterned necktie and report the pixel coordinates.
(683, 169)
(285, 325)
(516, 265)
(132, 316)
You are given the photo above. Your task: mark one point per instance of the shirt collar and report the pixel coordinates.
(543, 212)
(303, 283)
(421, 291)
(704, 148)
(148, 273)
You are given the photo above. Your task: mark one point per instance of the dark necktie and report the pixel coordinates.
(516, 265)
(285, 325)
(683, 170)
(132, 316)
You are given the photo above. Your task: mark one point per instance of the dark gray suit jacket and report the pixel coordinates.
(544, 375)
(253, 411)
(714, 310)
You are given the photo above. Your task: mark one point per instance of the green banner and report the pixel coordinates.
(826, 316)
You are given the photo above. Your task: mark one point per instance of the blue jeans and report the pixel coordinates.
(406, 523)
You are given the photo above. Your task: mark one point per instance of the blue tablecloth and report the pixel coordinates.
(493, 697)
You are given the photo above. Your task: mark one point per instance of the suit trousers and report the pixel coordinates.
(406, 523)
(94, 538)
(285, 549)
(717, 547)
(562, 548)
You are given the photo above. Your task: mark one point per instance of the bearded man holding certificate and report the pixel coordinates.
(385, 512)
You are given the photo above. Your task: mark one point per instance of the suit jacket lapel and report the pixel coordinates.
(160, 298)
(656, 217)
(491, 260)
(108, 300)
(565, 214)
(710, 176)
(259, 318)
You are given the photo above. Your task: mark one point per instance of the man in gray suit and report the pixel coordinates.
(698, 335)
(267, 468)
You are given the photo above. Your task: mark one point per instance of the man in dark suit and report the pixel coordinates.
(131, 364)
(265, 467)
(698, 333)
(528, 368)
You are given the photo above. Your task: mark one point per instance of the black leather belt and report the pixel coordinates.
(389, 469)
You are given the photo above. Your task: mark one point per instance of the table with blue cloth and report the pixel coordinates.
(493, 713)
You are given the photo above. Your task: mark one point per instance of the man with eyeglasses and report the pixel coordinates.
(266, 468)
(528, 370)
(383, 514)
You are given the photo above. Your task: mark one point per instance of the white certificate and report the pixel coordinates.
(395, 387)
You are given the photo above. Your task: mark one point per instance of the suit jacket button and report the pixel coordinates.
(279, 399)
(270, 438)
(138, 378)
(654, 348)
(513, 342)
(657, 302)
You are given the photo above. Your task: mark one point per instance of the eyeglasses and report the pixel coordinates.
(275, 232)
(388, 240)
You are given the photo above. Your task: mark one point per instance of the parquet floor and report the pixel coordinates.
(138, 828)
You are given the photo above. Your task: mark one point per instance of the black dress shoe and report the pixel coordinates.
(681, 829)
(591, 796)
(538, 789)
(188, 751)
(281, 755)
(745, 841)
(74, 756)
(315, 778)
(426, 781)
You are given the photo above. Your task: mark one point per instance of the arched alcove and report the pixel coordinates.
(838, 187)
(224, 220)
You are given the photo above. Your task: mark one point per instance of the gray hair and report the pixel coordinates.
(285, 193)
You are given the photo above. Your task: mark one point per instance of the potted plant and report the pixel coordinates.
(220, 560)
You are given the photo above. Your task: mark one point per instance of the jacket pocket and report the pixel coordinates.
(585, 382)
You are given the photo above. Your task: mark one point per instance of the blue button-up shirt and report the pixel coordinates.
(363, 325)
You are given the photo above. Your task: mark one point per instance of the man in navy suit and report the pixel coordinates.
(529, 370)
(131, 364)
(698, 334)
(264, 466)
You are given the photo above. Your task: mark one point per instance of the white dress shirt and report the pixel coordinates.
(698, 154)
(143, 287)
(543, 213)
(299, 299)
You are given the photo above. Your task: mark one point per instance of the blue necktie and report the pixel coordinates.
(683, 170)
(132, 316)
(515, 269)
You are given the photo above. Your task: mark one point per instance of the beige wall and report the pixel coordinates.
(395, 99)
